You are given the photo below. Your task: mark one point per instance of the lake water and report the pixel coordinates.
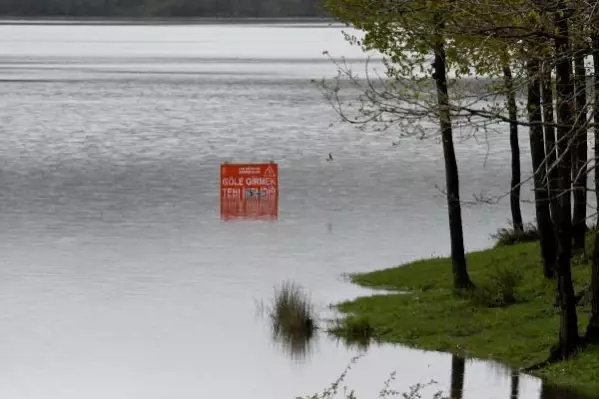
(119, 280)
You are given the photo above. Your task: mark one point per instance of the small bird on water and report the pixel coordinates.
(330, 158)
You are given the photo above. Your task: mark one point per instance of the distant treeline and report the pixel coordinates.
(161, 8)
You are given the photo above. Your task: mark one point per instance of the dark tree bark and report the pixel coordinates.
(515, 385)
(550, 143)
(458, 370)
(515, 183)
(579, 157)
(537, 149)
(568, 334)
(592, 333)
(461, 279)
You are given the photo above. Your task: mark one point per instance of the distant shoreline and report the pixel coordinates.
(160, 21)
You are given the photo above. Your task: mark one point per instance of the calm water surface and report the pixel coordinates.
(118, 279)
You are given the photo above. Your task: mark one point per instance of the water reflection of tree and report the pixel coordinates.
(515, 385)
(458, 369)
(458, 372)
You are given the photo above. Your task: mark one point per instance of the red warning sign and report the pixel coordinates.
(249, 191)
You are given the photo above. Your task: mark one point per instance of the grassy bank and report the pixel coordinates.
(431, 317)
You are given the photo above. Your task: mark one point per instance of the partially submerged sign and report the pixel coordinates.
(249, 191)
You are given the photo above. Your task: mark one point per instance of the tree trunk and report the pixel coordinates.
(579, 156)
(546, 392)
(568, 334)
(458, 370)
(550, 144)
(592, 333)
(461, 279)
(537, 149)
(515, 183)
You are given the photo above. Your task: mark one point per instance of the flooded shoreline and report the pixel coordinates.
(299, 340)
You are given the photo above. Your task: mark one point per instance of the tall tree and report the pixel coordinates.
(568, 332)
(550, 143)
(537, 149)
(592, 332)
(461, 279)
(579, 155)
(408, 33)
(515, 148)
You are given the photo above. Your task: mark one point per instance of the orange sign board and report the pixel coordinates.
(249, 191)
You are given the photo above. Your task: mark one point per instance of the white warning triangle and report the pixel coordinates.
(269, 172)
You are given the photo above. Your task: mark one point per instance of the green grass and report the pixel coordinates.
(355, 331)
(519, 333)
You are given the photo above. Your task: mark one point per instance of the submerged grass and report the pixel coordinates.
(292, 317)
(355, 331)
(511, 317)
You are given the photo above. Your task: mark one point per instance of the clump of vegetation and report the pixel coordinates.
(501, 288)
(511, 236)
(292, 317)
(581, 258)
(355, 331)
